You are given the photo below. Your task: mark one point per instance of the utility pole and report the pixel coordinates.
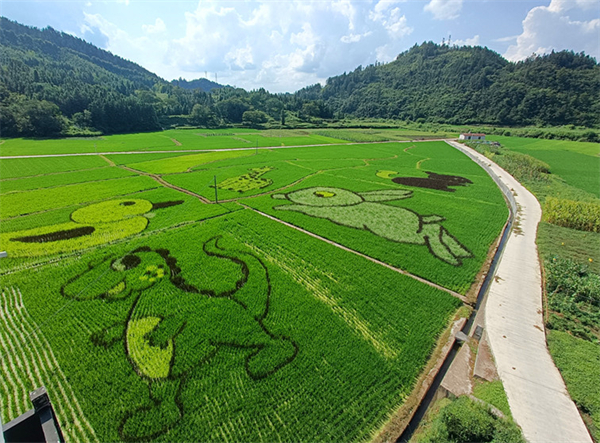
(216, 197)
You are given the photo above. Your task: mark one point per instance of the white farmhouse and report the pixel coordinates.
(471, 136)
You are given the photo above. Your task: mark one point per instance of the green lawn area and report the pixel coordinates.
(171, 140)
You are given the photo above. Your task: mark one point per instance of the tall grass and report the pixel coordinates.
(583, 216)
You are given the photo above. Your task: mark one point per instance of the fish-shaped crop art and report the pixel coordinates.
(174, 327)
(364, 210)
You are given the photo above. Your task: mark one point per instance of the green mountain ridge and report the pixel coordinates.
(202, 84)
(461, 85)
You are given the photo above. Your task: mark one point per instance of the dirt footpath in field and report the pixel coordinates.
(536, 392)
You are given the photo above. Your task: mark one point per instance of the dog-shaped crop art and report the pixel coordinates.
(363, 210)
(174, 327)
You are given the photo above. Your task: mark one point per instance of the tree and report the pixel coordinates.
(254, 118)
(232, 109)
(83, 119)
(40, 119)
(202, 115)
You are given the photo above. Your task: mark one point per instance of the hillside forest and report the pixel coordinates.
(53, 84)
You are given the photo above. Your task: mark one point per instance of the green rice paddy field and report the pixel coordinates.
(205, 139)
(578, 163)
(152, 312)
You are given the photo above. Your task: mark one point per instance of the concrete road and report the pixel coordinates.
(536, 392)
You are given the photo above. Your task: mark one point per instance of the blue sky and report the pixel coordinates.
(286, 45)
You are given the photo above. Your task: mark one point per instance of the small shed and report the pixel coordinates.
(471, 136)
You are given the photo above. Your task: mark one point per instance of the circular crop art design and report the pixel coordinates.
(324, 196)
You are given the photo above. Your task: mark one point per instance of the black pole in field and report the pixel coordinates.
(216, 198)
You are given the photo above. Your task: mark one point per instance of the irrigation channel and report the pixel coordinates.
(421, 410)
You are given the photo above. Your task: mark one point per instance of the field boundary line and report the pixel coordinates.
(107, 160)
(374, 260)
(166, 184)
(184, 151)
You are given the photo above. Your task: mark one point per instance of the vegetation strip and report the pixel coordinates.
(337, 245)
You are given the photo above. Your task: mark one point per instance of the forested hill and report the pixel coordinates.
(46, 75)
(470, 85)
(202, 83)
(52, 83)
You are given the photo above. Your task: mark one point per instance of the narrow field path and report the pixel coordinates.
(107, 160)
(166, 184)
(536, 392)
(374, 260)
(192, 151)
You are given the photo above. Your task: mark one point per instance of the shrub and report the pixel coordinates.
(590, 136)
(574, 296)
(584, 216)
(569, 277)
(464, 420)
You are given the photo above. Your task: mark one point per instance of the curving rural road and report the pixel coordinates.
(536, 392)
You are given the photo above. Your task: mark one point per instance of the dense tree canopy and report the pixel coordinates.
(52, 83)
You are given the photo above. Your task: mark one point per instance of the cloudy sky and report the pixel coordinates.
(285, 45)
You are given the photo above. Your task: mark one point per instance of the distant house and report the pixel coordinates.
(470, 136)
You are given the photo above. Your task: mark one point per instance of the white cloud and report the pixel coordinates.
(240, 58)
(444, 9)
(510, 38)
(157, 27)
(345, 8)
(397, 25)
(354, 38)
(111, 31)
(145, 51)
(548, 28)
(392, 21)
(467, 42)
(285, 45)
